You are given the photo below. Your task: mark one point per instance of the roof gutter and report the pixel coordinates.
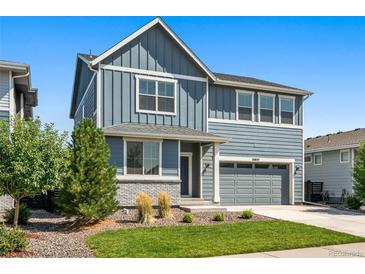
(331, 148)
(262, 87)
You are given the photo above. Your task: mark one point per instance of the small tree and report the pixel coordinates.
(32, 159)
(359, 173)
(90, 188)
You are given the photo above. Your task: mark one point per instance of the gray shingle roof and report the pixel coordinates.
(250, 80)
(336, 140)
(160, 131)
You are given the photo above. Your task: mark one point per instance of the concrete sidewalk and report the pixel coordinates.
(356, 250)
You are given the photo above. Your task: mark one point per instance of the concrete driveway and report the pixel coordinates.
(334, 219)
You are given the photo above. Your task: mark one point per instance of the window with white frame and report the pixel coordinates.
(286, 110)
(318, 159)
(266, 108)
(245, 106)
(308, 159)
(345, 156)
(156, 95)
(143, 158)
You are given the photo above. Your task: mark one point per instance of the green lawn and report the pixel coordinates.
(212, 240)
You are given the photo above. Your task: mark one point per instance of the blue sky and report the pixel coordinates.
(323, 54)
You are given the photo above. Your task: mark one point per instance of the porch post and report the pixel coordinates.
(216, 172)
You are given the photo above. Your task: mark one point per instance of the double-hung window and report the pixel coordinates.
(245, 106)
(266, 108)
(345, 156)
(156, 95)
(308, 159)
(318, 159)
(143, 158)
(286, 106)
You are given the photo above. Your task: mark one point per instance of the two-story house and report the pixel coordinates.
(16, 97)
(329, 160)
(174, 125)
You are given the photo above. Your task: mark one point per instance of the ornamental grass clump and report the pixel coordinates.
(144, 206)
(164, 205)
(188, 218)
(219, 217)
(24, 214)
(247, 214)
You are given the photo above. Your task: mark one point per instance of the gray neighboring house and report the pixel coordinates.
(330, 158)
(16, 97)
(174, 125)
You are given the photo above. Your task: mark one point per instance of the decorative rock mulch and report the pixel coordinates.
(49, 235)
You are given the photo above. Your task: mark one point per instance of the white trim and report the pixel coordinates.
(331, 148)
(151, 178)
(98, 99)
(142, 30)
(153, 73)
(303, 150)
(156, 96)
(190, 183)
(22, 105)
(293, 101)
(207, 110)
(273, 106)
(243, 122)
(308, 155)
(125, 174)
(244, 92)
(289, 162)
(261, 87)
(216, 176)
(178, 159)
(86, 92)
(201, 171)
(11, 95)
(342, 151)
(255, 159)
(352, 158)
(314, 158)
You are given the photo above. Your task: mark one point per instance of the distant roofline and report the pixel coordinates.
(336, 133)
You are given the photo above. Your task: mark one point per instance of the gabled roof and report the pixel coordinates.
(161, 131)
(335, 141)
(156, 21)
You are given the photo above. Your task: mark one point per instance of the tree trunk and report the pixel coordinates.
(16, 213)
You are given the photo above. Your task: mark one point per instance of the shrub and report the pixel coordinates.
(90, 187)
(247, 214)
(144, 206)
(11, 240)
(188, 218)
(353, 202)
(24, 215)
(219, 217)
(164, 205)
(359, 173)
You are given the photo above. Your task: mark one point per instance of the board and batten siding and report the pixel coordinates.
(334, 174)
(154, 50)
(223, 105)
(119, 103)
(4, 90)
(86, 108)
(169, 155)
(261, 142)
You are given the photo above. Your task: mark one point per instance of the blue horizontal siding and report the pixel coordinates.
(258, 141)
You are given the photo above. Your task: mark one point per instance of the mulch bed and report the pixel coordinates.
(49, 235)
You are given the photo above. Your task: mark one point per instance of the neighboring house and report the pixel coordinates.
(329, 159)
(16, 97)
(173, 125)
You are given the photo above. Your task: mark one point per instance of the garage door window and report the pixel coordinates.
(262, 166)
(244, 165)
(227, 165)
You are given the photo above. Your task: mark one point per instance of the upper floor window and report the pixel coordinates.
(345, 156)
(156, 95)
(143, 158)
(308, 159)
(318, 159)
(245, 106)
(286, 110)
(266, 108)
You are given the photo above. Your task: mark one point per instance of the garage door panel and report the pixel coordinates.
(253, 186)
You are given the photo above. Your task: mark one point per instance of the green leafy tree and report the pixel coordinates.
(359, 173)
(32, 159)
(90, 188)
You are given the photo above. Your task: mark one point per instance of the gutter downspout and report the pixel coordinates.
(13, 94)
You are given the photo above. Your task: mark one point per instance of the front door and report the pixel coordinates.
(184, 175)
